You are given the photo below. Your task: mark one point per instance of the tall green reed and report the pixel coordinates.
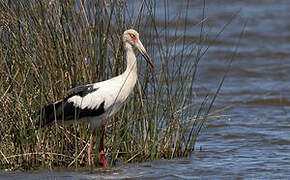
(46, 46)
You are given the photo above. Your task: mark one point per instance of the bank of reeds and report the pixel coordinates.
(46, 46)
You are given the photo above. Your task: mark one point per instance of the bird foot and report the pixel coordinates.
(102, 154)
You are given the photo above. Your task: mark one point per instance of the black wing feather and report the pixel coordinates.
(81, 90)
(64, 110)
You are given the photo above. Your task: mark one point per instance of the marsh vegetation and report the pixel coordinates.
(46, 46)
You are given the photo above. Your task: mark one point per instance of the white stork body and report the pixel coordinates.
(112, 92)
(95, 103)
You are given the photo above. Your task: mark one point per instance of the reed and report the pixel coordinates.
(46, 46)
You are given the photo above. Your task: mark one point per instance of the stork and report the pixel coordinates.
(95, 103)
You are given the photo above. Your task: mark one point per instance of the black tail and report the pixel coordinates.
(49, 113)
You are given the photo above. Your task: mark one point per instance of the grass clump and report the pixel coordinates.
(46, 46)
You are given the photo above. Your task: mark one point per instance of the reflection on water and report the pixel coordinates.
(254, 140)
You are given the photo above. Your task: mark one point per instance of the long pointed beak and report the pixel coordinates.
(142, 50)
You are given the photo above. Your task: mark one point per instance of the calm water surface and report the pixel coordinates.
(253, 140)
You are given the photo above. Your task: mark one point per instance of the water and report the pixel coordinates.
(253, 139)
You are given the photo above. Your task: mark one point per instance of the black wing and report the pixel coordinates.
(64, 110)
(81, 90)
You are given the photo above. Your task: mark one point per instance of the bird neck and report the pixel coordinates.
(131, 60)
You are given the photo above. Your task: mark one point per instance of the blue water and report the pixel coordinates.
(252, 139)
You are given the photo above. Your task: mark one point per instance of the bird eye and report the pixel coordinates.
(133, 37)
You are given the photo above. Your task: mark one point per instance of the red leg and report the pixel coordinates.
(101, 147)
(90, 150)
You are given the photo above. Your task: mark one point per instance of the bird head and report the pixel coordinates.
(132, 37)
